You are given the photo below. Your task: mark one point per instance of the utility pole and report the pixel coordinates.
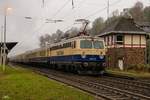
(72, 4)
(1, 46)
(43, 3)
(108, 12)
(4, 45)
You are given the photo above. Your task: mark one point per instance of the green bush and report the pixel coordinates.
(139, 67)
(148, 67)
(131, 67)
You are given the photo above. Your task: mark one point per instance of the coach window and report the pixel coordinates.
(119, 39)
(85, 44)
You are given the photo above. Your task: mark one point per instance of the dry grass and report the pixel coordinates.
(131, 73)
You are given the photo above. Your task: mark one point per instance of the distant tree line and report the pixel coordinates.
(58, 36)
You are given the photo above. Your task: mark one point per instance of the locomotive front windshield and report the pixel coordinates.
(88, 44)
(98, 45)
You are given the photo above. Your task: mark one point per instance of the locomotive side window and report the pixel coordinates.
(98, 45)
(65, 45)
(85, 44)
(74, 44)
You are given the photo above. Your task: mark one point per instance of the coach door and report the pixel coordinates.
(120, 64)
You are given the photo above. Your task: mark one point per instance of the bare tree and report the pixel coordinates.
(147, 14)
(71, 32)
(97, 26)
(42, 41)
(47, 38)
(59, 34)
(137, 12)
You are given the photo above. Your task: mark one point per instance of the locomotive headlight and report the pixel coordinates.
(101, 57)
(83, 55)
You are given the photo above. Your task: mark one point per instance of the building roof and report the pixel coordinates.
(145, 26)
(9, 45)
(122, 25)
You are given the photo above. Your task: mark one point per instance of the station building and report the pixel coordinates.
(9, 46)
(125, 42)
(146, 27)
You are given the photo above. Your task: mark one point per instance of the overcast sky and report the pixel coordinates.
(28, 31)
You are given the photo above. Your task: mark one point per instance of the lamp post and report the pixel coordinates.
(4, 45)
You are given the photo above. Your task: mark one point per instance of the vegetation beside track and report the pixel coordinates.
(129, 73)
(22, 84)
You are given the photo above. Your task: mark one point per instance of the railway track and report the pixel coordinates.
(144, 80)
(100, 90)
(124, 84)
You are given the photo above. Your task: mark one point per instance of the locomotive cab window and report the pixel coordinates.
(85, 44)
(98, 45)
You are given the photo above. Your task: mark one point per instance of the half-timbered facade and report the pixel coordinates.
(125, 42)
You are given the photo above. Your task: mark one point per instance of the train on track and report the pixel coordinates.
(81, 54)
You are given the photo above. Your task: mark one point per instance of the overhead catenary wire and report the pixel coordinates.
(91, 4)
(100, 10)
(63, 6)
(42, 25)
(59, 10)
(69, 26)
(66, 28)
(77, 7)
